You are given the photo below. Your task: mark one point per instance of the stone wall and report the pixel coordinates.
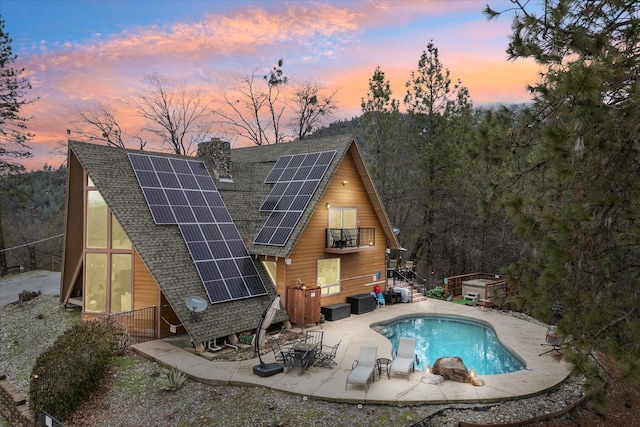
(13, 405)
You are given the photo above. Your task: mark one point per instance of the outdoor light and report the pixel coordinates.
(472, 372)
(328, 206)
(345, 182)
(427, 369)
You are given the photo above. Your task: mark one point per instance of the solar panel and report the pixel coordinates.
(296, 178)
(180, 191)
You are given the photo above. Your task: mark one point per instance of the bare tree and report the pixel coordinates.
(100, 125)
(255, 113)
(311, 107)
(173, 113)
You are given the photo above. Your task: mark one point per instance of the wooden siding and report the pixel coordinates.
(73, 240)
(357, 270)
(146, 292)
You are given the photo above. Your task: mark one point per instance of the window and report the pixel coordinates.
(96, 220)
(329, 276)
(95, 300)
(108, 282)
(343, 218)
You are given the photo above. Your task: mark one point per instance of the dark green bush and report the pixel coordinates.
(68, 371)
(436, 293)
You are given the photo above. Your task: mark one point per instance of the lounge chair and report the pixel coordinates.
(327, 355)
(405, 358)
(364, 367)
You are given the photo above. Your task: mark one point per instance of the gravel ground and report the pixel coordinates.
(131, 394)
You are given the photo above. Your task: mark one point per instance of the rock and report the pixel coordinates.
(452, 369)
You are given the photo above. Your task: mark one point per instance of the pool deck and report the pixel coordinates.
(522, 337)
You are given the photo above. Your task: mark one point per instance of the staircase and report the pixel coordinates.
(415, 294)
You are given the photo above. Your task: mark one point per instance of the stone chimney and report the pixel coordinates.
(218, 152)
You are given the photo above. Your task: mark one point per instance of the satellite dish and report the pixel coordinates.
(396, 230)
(195, 304)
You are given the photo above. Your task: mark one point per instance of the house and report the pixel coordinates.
(231, 228)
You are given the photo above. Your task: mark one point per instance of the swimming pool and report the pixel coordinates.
(441, 336)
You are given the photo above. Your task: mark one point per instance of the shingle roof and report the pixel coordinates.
(244, 196)
(162, 247)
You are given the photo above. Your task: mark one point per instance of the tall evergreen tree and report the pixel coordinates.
(575, 196)
(13, 96)
(440, 114)
(13, 126)
(382, 130)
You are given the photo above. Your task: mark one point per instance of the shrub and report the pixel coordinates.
(173, 379)
(245, 338)
(66, 373)
(436, 293)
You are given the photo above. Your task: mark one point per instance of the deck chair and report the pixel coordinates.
(327, 355)
(338, 242)
(347, 240)
(404, 361)
(364, 367)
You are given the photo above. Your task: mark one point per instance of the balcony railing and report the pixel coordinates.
(350, 238)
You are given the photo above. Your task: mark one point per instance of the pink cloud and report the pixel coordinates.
(329, 43)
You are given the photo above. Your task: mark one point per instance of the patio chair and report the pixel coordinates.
(404, 361)
(284, 356)
(338, 242)
(346, 238)
(327, 358)
(364, 367)
(314, 337)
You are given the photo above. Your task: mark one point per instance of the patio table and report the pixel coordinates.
(304, 355)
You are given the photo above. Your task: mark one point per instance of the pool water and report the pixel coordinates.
(446, 336)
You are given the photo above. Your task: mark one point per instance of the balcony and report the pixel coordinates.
(349, 240)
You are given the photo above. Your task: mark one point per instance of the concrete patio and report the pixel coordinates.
(522, 337)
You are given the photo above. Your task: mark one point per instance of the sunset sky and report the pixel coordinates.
(78, 53)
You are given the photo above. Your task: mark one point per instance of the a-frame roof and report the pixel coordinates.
(246, 193)
(162, 247)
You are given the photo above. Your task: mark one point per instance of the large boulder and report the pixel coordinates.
(452, 369)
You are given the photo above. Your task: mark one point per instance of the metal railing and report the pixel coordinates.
(350, 237)
(140, 324)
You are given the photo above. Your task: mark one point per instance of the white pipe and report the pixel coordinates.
(231, 345)
(215, 346)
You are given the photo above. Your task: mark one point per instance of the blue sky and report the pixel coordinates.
(79, 53)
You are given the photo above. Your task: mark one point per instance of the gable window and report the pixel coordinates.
(108, 283)
(329, 276)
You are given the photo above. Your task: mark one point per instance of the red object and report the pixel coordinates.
(376, 289)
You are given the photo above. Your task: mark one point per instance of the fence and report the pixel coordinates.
(140, 324)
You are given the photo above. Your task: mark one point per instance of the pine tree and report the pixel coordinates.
(440, 114)
(13, 96)
(575, 194)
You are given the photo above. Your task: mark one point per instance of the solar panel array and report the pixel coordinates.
(182, 192)
(296, 178)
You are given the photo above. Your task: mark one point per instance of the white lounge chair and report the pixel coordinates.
(364, 368)
(405, 358)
